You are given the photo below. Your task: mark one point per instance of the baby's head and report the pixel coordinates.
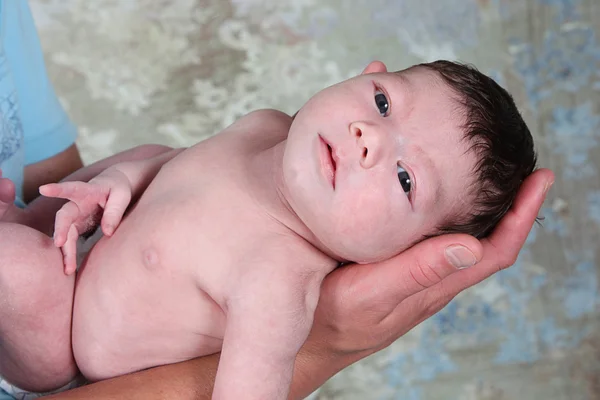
(379, 162)
(500, 140)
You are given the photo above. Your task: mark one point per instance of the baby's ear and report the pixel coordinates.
(374, 67)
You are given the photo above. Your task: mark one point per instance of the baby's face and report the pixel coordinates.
(374, 163)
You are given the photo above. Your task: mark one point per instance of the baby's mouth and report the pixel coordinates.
(329, 164)
(332, 159)
(333, 164)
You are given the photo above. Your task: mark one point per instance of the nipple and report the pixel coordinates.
(150, 258)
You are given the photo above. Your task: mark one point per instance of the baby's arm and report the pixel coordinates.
(138, 175)
(40, 213)
(112, 191)
(267, 323)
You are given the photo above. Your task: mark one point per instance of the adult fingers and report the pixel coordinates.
(502, 247)
(418, 268)
(7, 194)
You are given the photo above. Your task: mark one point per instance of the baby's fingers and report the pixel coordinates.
(117, 203)
(70, 251)
(65, 218)
(74, 191)
(56, 190)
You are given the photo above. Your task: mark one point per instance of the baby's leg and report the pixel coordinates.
(36, 300)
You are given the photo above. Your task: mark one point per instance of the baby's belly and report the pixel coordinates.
(137, 304)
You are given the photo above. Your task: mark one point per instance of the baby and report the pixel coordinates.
(226, 243)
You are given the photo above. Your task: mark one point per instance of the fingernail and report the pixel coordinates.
(460, 256)
(548, 186)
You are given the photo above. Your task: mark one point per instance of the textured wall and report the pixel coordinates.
(174, 72)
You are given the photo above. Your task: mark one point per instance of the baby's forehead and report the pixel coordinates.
(427, 91)
(422, 78)
(416, 70)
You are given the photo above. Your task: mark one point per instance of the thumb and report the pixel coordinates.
(424, 265)
(7, 191)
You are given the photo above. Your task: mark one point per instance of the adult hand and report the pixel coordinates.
(364, 308)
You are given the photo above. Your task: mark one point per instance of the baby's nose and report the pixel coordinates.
(369, 143)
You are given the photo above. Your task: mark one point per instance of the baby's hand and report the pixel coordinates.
(110, 191)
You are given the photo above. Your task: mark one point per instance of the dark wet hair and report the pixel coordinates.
(498, 136)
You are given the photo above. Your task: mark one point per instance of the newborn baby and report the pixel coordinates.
(228, 244)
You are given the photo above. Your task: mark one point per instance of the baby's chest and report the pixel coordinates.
(209, 235)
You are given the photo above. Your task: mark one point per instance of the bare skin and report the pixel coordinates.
(107, 320)
(241, 268)
(362, 309)
(30, 261)
(213, 291)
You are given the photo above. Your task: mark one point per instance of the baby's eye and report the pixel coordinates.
(383, 106)
(404, 179)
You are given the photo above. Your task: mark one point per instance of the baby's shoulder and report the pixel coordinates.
(261, 127)
(265, 120)
(269, 115)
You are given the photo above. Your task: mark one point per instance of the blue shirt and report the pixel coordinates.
(33, 124)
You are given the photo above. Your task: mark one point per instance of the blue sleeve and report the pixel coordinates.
(47, 129)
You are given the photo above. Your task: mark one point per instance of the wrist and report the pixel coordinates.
(315, 364)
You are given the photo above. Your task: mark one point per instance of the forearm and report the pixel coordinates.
(312, 370)
(41, 212)
(190, 380)
(135, 154)
(194, 380)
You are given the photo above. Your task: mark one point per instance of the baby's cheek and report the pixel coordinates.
(366, 235)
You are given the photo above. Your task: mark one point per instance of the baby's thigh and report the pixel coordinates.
(34, 291)
(31, 266)
(36, 300)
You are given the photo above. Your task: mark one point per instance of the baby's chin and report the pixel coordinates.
(363, 254)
